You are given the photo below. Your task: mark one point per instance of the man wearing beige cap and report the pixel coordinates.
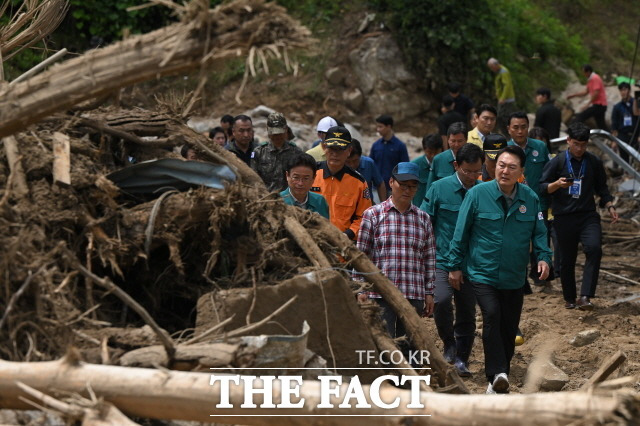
(269, 160)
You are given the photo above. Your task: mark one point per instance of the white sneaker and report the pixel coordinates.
(500, 383)
(490, 390)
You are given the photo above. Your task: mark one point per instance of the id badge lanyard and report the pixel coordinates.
(576, 188)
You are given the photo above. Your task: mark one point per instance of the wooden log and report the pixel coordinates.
(407, 314)
(189, 396)
(176, 48)
(306, 243)
(610, 365)
(96, 414)
(61, 158)
(20, 187)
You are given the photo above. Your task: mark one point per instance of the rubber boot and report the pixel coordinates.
(450, 352)
(463, 351)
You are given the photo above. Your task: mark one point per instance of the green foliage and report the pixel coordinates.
(92, 23)
(232, 69)
(314, 13)
(451, 40)
(24, 61)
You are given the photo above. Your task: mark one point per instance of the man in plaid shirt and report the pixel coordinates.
(398, 238)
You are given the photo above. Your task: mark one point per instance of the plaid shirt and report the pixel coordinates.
(402, 245)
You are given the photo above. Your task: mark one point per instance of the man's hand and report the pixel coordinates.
(455, 279)
(614, 215)
(543, 270)
(428, 305)
(362, 298)
(564, 183)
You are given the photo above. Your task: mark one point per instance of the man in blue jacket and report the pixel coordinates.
(387, 151)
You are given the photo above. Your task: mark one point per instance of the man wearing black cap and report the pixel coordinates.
(492, 144)
(270, 159)
(399, 240)
(345, 190)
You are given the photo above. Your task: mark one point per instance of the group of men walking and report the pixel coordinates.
(456, 227)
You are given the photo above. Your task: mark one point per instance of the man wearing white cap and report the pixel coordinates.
(317, 150)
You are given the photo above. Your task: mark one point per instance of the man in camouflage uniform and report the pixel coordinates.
(269, 160)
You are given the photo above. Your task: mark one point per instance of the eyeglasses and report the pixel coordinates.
(470, 173)
(406, 187)
(302, 179)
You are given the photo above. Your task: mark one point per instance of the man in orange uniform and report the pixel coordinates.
(344, 189)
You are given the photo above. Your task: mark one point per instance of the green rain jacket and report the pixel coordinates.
(493, 245)
(442, 203)
(425, 168)
(441, 167)
(315, 203)
(537, 157)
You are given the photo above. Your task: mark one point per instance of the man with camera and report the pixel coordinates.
(573, 178)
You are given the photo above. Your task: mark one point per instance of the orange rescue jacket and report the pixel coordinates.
(347, 194)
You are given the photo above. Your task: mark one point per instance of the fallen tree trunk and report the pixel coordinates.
(189, 396)
(306, 243)
(202, 37)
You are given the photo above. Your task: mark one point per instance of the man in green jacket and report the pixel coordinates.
(300, 173)
(443, 202)
(504, 92)
(432, 146)
(497, 222)
(442, 164)
(537, 157)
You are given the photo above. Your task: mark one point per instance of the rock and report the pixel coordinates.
(261, 111)
(386, 84)
(585, 337)
(553, 379)
(354, 99)
(334, 76)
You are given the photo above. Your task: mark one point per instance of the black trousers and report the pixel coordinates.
(573, 229)
(625, 136)
(395, 327)
(465, 315)
(501, 311)
(597, 112)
